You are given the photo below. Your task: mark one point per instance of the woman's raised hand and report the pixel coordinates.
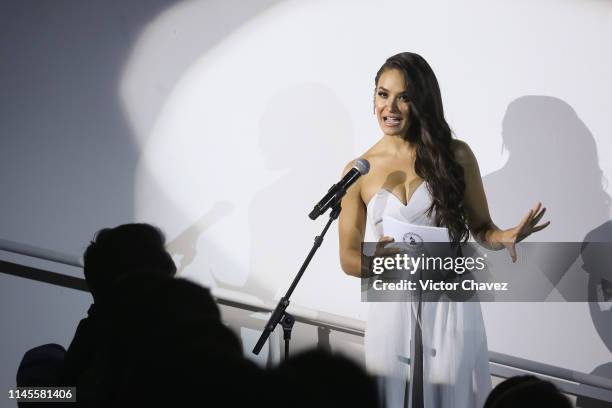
(527, 226)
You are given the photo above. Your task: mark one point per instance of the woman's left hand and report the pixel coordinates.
(527, 226)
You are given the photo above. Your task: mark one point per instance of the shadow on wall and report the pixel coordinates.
(553, 159)
(598, 265)
(189, 31)
(184, 244)
(305, 131)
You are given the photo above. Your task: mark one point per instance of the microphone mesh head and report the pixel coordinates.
(362, 166)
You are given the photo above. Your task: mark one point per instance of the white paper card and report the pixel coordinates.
(406, 232)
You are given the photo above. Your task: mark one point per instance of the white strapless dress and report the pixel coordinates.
(455, 354)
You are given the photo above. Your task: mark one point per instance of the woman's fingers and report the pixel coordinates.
(533, 217)
(383, 241)
(534, 212)
(537, 217)
(383, 250)
(524, 221)
(540, 227)
(527, 226)
(512, 250)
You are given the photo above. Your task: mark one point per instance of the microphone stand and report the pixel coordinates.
(279, 315)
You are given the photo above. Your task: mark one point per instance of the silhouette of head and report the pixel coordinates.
(129, 249)
(321, 379)
(41, 366)
(526, 391)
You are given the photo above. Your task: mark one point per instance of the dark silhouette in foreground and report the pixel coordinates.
(114, 254)
(317, 378)
(526, 391)
(151, 339)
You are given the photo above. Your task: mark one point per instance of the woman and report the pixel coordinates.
(420, 174)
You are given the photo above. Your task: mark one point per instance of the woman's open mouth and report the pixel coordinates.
(392, 120)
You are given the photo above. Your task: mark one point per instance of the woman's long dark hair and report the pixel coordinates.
(435, 162)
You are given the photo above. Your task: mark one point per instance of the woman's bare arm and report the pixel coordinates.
(351, 228)
(475, 201)
(484, 231)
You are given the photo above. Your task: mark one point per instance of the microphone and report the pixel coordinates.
(338, 190)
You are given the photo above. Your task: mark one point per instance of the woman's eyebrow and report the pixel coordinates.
(382, 88)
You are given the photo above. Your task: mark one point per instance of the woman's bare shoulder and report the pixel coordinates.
(463, 153)
(372, 155)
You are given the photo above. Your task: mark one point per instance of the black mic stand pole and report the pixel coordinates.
(279, 314)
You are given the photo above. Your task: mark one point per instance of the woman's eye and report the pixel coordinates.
(404, 98)
(382, 94)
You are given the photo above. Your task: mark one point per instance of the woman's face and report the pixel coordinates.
(391, 103)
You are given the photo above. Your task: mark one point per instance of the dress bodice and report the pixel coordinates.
(386, 203)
